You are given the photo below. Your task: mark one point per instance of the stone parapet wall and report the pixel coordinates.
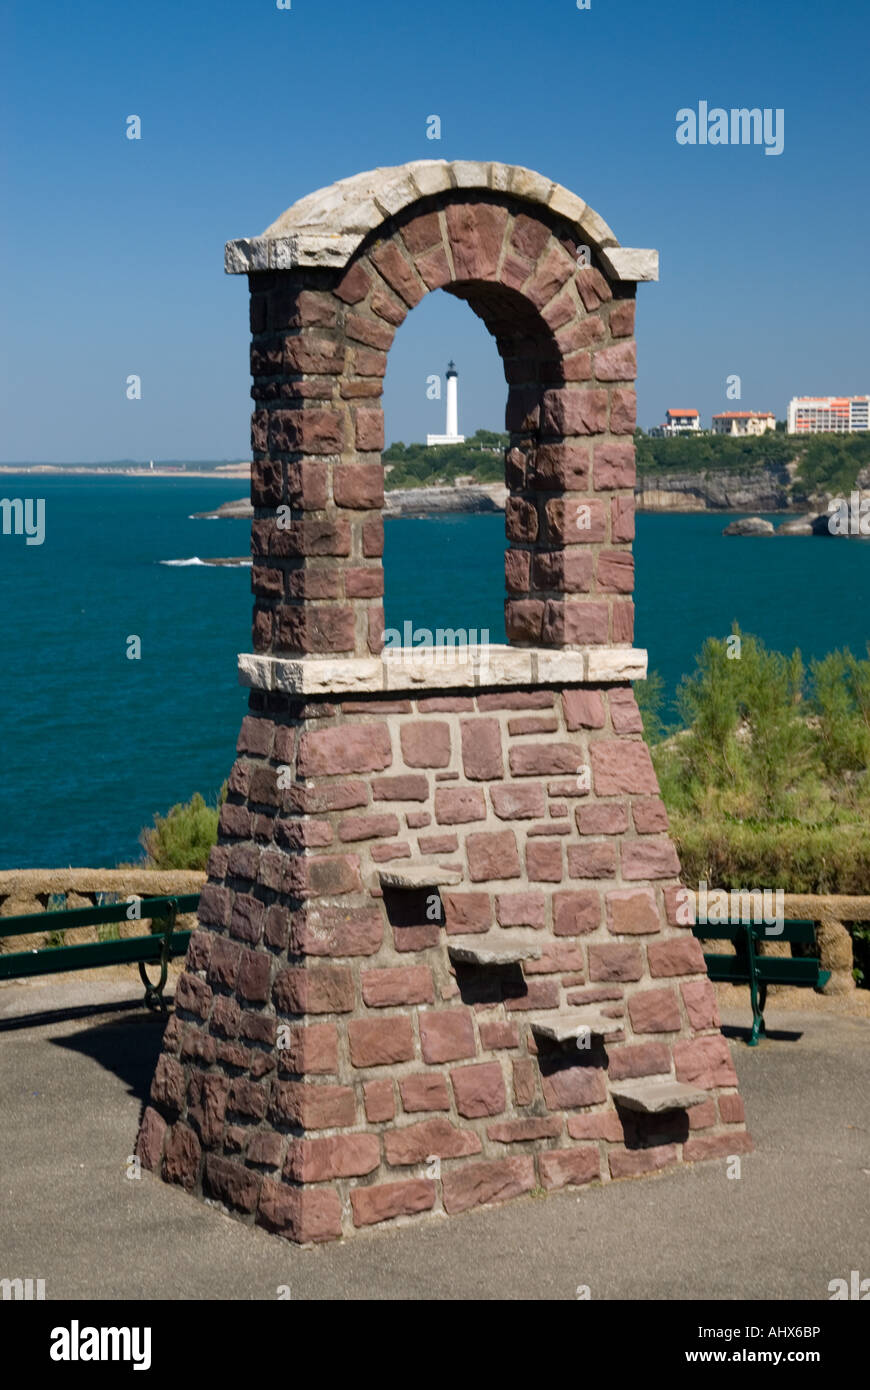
(24, 891)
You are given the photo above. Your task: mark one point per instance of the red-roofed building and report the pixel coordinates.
(743, 422)
(679, 422)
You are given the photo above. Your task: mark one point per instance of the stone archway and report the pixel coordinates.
(438, 960)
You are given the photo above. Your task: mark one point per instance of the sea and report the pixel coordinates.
(97, 739)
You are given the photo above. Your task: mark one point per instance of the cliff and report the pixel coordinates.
(759, 490)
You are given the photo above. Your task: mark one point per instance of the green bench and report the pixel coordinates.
(748, 966)
(156, 949)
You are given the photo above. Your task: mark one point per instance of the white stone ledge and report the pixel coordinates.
(631, 263)
(403, 670)
(326, 227)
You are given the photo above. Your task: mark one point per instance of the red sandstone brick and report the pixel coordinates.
(622, 318)
(331, 931)
(544, 861)
(629, 1163)
(479, 1089)
(716, 1146)
(539, 994)
(575, 914)
(545, 759)
(320, 990)
(654, 1011)
(467, 912)
(299, 1215)
(596, 859)
(492, 856)
(476, 232)
(426, 1091)
(149, 1145)
(705, 1062)
(446, 1035)
(632, 911)
(679, 956)
(574, 412)
(615, 962)
(621, 766)
(410, 984)
(731, 1110)
(459, 805)
(639, 1059)
(311, 1049)
(379, 1101)
(584, 709)
(518, 802)
(649, 858)
(495, 1035)
(367, 827)
(520, 1131)
(555, 959)
(613, 466)
(385, 1201)
(516, 699)
(341, 1156)
(602, 818)
(346, 748)
(313, 1106)
(481, 749)
(436, 1138)
(702, 1116)
(181, 1157)
(699, 998)
(521, 909)
(569, 1167)
(569, 1087)
(478, 1184)
(600, 1125)
(426, 743)
(623, 411)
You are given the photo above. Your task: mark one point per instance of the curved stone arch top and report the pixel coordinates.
(331, 279)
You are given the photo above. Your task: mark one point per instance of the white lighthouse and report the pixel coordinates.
(451, 434)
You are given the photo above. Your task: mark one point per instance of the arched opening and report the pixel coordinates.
(444, 503)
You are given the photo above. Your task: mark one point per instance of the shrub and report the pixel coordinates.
(183, 837)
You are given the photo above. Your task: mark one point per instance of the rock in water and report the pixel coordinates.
(798, 526)
(749, 526)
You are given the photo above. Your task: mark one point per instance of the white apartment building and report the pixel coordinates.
(828, 414)
(678, 422)
(744, 422)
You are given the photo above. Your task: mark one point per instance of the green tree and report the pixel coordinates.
(183, 837)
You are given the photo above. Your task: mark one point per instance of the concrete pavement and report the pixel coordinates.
(76, 1058)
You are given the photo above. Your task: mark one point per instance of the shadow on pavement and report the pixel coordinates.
(129, 1047)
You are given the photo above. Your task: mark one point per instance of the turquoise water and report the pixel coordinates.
(94, 744)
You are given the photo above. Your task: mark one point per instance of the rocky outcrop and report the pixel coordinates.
(761, 490)
(749, 526)
(433, 501)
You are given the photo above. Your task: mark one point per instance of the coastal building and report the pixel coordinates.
(828, 414)
(678, 422)
(743, 422)
(451, 433)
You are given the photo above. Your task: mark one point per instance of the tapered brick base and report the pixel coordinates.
(329, 1066)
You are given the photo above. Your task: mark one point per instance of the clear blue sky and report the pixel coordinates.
(112, 250)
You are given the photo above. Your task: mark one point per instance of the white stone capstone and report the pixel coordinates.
(405, 669)
(326, 227)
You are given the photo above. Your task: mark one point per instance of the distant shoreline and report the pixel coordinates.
(94, 470)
